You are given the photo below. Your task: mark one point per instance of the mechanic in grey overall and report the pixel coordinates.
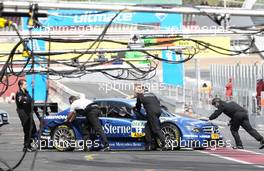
(89, 109)
(25, 113)
(152, 107)
(239, 117)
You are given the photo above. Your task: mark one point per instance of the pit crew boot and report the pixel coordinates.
(163, 146)
(148, 148)
(238, 147)
(261, 144)
(106, 148)
(29, 149)
(24, 149)
(85, 147)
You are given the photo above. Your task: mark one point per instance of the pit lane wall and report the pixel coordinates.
(60, 94)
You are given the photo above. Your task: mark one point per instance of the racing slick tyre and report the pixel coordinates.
(172, 136)
(63, 137)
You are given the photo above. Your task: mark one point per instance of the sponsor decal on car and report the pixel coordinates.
(112, 129)
(215, 136)
(163, 119)
(190, 136)
(56, 117)
(138, 129)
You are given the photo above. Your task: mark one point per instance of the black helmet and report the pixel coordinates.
(216, 101)
(72, 98)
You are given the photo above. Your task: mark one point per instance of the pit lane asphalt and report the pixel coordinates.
(91, 90)
(11, 145)
(11, 137)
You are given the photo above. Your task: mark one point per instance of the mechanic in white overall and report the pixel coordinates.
(89, 109)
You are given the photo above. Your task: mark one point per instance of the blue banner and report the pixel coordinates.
(84, 17)
(172, 73)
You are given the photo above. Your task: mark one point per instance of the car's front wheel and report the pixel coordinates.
(63, 138)
(172, 136)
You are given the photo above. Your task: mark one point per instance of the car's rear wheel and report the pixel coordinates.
(63, 138)
(172, 136)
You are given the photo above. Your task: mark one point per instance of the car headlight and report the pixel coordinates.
(4, 114)
(192, 128)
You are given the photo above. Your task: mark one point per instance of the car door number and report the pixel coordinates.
(138, 128)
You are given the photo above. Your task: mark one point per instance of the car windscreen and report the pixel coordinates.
(115, 109)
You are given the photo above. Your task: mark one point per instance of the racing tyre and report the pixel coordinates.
(63, 137)
(172, 136)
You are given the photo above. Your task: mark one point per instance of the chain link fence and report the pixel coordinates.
(244, 81)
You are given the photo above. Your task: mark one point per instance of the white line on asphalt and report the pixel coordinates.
(253, 152)
(231, 159)
(227, 158)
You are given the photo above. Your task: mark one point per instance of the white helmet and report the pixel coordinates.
(259, 77)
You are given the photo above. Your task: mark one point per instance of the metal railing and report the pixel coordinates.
(244, 80)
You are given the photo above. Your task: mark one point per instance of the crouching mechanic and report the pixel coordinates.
(239, 117)
(89, 109)
(152, 107)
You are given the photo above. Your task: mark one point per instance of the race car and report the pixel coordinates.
(125, 129)
(3, 118)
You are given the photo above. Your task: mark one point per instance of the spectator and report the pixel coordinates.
(259, 89)
(229, 89)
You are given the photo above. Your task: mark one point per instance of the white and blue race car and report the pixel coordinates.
(125, 129)
(3, 117)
